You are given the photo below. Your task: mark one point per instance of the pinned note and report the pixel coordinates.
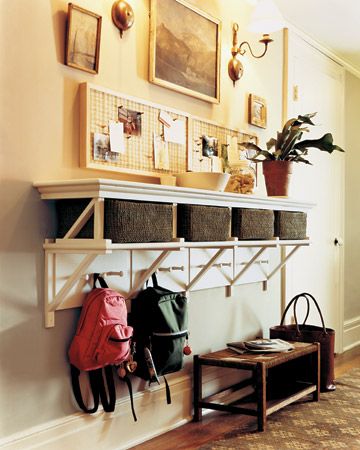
(176, 132)
(216, 164)
(233, 149)
(165, 119)
(116, 131)
(161, 153)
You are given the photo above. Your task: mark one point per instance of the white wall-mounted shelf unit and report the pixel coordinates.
(99, 189)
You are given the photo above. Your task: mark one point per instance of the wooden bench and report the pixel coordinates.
(278, 379)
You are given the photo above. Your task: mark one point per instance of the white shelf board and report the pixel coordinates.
(127, 190)
(106, 246)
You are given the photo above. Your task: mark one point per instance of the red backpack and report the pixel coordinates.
(102, 339)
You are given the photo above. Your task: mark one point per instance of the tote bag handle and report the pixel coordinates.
(294, 301)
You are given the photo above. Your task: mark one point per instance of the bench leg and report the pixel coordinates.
(260, 383)
(197, 372)
(315, 367)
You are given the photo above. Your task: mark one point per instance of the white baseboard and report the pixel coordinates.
(351, 333)
(115, 430)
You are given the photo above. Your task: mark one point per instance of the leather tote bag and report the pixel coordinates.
(310, 333)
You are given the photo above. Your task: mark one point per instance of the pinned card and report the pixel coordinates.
(216, 164)
(116, 131)
(233, 149)
(161, 153)
(165, 119)
(176, 132)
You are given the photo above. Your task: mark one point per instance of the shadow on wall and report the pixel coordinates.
(36, 373)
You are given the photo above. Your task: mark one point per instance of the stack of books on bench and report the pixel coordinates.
(261, 346)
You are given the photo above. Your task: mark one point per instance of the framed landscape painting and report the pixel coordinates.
(185, 49)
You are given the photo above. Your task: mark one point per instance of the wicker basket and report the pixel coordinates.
(290, 225)
(124, 221)
(250, 224)
(203, 223)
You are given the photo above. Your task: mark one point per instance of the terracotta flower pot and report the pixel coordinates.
(277, 176)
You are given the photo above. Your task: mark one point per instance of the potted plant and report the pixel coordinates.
(286, 149)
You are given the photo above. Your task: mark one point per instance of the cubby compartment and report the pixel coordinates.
(197, 223)
(290, 224)
(250, 224)
(124, 221)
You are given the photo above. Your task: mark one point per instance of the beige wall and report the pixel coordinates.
(40, 141)
(352, 205)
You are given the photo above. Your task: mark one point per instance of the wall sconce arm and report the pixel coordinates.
(265, 40)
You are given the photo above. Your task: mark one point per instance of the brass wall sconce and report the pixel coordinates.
(122, 15)
(235, 67)
(265, 19)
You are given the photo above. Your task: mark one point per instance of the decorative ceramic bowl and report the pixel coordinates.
(213, 181)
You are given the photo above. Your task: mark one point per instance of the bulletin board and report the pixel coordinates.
(197, 162)
(100, 106)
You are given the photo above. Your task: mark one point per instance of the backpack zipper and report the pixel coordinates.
(176, 333)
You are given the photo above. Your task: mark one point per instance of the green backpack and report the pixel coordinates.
(160, 320)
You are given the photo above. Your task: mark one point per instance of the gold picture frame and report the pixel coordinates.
(83, 39)
(185, 49)
(257, 111)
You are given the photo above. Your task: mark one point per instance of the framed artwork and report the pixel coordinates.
(257, 111)
(185, 49)
(83, 39)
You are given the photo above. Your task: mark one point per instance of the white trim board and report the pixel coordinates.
(351, 333)
(323, 49)
(118, 430)
(113, 430)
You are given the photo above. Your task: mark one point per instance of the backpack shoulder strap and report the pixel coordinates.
(101, 280)
(167, 389)
(98, 389)
(108, 404)
(75, 374)
(127, 380)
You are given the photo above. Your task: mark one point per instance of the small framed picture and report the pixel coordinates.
(257, 111)
(83, 39)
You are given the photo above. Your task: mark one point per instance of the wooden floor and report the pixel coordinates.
(214, 425)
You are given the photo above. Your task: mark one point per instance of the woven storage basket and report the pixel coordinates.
(290, 225)
(124, 221)
(203, 223)
(252, 223)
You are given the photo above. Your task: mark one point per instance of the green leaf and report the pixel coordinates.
(264, 153)
(294, 136)
(271, 143)
(307, 118)
(250, 146)
(299, 158)
(325, 143)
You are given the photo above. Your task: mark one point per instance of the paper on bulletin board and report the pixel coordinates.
(216, 164)
(161, 153)
(233, 150)
(176, 132)
(165, 118)
(116, 131)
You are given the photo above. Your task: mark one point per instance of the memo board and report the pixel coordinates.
(199, 128)
(99, 105)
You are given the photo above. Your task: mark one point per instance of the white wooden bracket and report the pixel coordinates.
(147, 273)
(205, 268)
(283, 261)
(53, 299)
(95, 208)
(248, 265)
